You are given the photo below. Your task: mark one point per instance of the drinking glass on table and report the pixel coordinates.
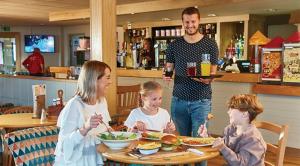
(191, 68)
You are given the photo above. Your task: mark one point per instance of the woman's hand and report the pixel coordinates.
(140, 126)
(218, 143)
(92, 122)
(170, 128)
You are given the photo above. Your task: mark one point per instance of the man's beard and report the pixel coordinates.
(191, 34)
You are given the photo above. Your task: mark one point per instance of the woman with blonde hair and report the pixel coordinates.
(83, 117)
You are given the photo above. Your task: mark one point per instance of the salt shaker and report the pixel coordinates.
(43, 116)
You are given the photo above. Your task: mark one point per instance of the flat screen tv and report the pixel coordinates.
(46, 43)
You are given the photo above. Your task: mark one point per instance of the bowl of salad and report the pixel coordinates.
(118, 140)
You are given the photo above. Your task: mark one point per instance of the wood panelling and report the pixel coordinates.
(276, 89)
(103, 42)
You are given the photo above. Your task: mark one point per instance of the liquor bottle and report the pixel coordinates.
(207, 29)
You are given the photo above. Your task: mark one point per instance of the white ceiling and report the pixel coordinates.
(36, 12)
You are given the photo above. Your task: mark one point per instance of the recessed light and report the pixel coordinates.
(165, 19)
(271, 10)
(132, 13)
(212, 15)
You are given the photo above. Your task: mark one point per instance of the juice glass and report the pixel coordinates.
(205, 65)
(191, 69)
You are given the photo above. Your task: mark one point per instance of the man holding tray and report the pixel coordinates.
(191, 101)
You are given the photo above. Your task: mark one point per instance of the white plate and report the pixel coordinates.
(148, 151)
(196, 145)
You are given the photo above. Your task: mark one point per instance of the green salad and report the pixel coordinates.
(110, 136)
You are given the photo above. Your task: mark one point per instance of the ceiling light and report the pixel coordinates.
(132, 13)
(165, 19)
(271, 10)
(212, 15)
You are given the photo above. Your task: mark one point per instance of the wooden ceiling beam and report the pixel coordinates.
(140, 7)
(69, 15)
(295, 17)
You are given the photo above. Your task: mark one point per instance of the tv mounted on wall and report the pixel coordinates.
(46, 43)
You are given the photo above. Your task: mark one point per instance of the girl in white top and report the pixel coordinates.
(83, 117)
(150, 116)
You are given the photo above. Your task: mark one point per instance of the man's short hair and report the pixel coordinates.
(190, 11)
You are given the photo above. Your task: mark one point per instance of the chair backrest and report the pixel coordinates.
(279, 149)
(6, 106)
(33, 146)
(19, 109)
(128, 98)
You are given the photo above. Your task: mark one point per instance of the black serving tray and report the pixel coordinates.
(207, 77)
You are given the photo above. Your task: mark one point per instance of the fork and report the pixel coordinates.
(106, 125)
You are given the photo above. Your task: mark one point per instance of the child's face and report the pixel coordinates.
(104, 82)
(153, 99)
(238, 117)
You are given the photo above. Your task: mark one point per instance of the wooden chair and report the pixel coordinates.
(6, 106)
(127, 99)
(19, 109)
(33, 146)
(13, 110)
(279, 149)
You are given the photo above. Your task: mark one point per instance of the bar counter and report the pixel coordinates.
(227, 77)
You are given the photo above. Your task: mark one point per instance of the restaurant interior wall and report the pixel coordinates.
(283, 30)
(51, 59)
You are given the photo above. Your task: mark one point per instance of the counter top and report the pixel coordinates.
(276, 89)
(227, 77)
(36, 78)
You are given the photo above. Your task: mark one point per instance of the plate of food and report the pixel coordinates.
(118, 140)
(148, 148)
(154, 136)
(192, 141)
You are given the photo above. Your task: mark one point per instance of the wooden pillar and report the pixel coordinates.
(103, 42)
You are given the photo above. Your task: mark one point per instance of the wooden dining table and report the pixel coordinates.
(179, 157)
(23, 120)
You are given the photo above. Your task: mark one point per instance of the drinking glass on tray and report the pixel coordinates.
(191, 69)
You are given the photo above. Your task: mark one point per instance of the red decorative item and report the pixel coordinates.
(275, 43)
(294, 38)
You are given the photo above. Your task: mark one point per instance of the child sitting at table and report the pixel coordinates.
(150, 116)
(83, 118)
(242, 143)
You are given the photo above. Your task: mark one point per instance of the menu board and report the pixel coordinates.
(271, 65)
(291, 60)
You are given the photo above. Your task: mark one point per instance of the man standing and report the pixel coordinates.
(191, 101)
(35, 63)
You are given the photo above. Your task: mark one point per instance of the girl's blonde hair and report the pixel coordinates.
(149, 87)
(90, 73)
(246, 103)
